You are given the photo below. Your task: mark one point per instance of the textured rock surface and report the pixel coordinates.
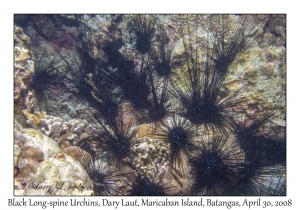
(23, 68)
(46, 155)
(54, 127)
(45, 169)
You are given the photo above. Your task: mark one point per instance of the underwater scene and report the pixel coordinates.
(150, 104)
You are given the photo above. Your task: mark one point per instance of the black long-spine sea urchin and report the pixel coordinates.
(256, 146)
(115, 140)
(204, 101)
(158, 105)
(214, 167)
(162, 60)
(93, 86)
(227, 47)
(47, 78)
(200, 90)
(107, 180)
(143, 186)
(258, 178)
(181, 135)
(141, 27)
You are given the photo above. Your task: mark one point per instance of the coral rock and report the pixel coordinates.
(33, 154)
(83, 157)
(20, 39)
(23, 70)
(61, 131)
(251, 72)
(35, 119)
(268, 69)
(55, 168)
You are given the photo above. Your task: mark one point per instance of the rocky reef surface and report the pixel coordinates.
(53, 140)
(42, 168)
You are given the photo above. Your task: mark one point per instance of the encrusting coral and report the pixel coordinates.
(33, 156)
(74, 130)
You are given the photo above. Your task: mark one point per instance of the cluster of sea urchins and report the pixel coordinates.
(182, 97)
